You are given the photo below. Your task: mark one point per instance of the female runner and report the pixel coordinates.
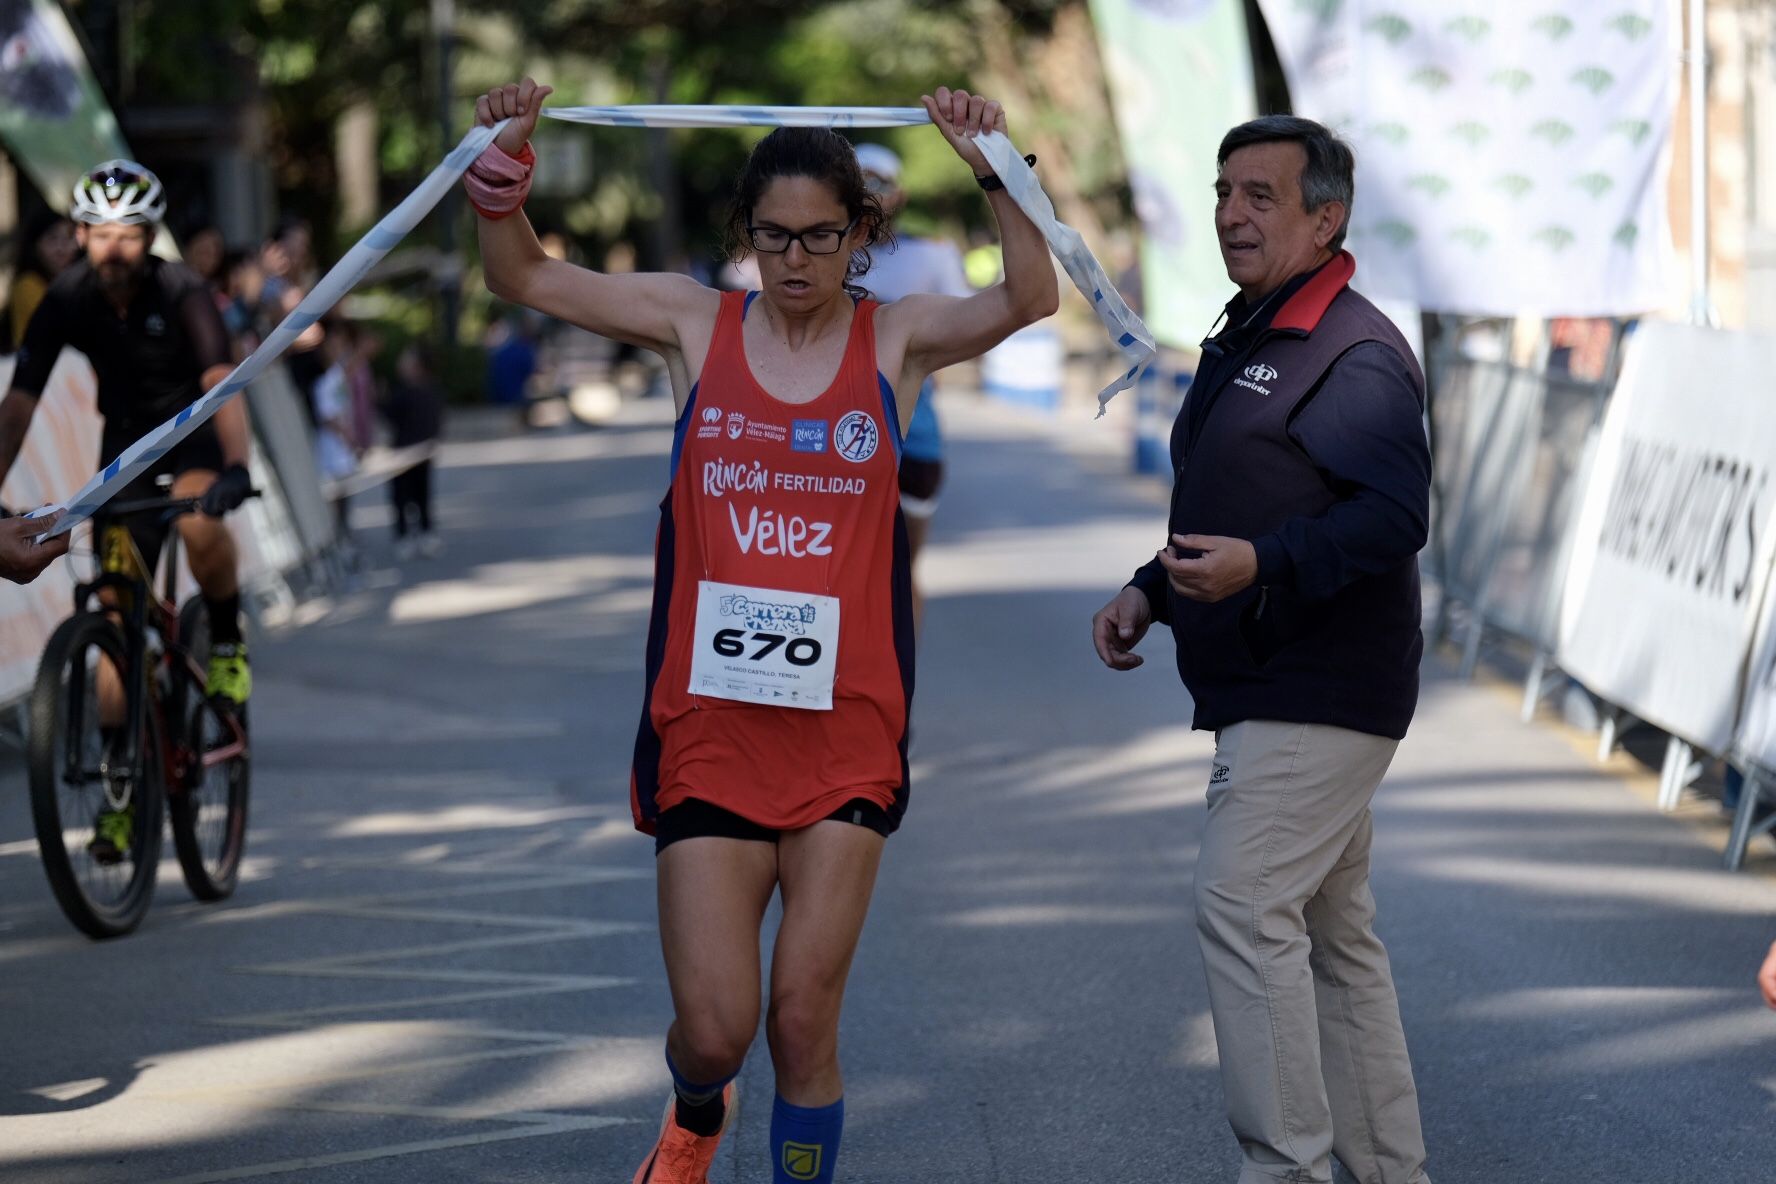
(772, 748)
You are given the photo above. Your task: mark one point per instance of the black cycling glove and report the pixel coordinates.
(229, 491)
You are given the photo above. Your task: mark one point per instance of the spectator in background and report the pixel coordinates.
(49, 247)
(415, 412)
(511, 361)
(361, 384)
(243, 288)
(204, 254)
(334, 454)
(288, 265)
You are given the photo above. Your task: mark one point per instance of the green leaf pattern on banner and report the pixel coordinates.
(1390, 27)
(1469, 27)
(1515, 80)
(1631, 25)
(1431, 184)
(1432, 78)
(1555, 238)
(1555, 25)
(1321, 10)
(1595, 184)
(1555, 131)
(1476, 237)
(1391, 133)
(1626, 235)
(1594, 79)
(1471, 132)
(1515, 184)
(1399, 235)
(1634, 130)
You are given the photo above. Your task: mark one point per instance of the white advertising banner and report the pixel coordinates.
(1512, 157)
(1672, 549)
(1180, 73)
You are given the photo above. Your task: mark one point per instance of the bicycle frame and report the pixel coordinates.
(137, 608)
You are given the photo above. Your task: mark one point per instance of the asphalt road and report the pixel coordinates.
(441, 965)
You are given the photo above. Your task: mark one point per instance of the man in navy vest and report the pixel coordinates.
(1290, 583)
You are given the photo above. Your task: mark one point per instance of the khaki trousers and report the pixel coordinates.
(1313, 1059)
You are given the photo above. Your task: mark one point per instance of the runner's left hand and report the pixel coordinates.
(959, 115)
(22, 557)
(227, 492)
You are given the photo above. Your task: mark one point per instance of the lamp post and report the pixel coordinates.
(449, 275)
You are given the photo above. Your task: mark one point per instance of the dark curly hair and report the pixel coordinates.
(825, 156)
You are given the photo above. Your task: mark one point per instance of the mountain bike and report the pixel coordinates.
(122, 731)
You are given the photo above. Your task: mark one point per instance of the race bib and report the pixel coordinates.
(757, 645)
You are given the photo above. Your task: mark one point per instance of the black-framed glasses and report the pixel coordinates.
(774, 240)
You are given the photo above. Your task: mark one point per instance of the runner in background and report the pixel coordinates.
(902, 267)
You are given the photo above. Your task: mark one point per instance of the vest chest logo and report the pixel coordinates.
(155, 325)
(856, 437)
(1256, 375)
(736, 425)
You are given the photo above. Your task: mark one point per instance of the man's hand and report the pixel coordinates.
(1118, 628)
(1221, 568)
(1767, 978)
(22, 558)
(227, 491)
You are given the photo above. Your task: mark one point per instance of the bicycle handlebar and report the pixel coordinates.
(172, 507)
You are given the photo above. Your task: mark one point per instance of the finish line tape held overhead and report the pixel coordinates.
(1125, 328)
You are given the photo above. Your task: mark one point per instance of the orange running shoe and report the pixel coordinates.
(681, 1157)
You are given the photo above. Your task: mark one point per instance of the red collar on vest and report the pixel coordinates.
(1304, 309)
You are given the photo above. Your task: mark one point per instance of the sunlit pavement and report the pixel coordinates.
(441, 964)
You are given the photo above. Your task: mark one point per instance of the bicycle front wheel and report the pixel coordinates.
(96, 811)
(209, 808)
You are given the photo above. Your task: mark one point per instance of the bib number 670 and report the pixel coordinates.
(802, 651)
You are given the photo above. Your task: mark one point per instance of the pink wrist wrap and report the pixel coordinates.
(498, 183)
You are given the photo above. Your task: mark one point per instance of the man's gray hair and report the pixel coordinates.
(1329, 174)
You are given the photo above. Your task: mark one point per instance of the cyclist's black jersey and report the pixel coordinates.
(149, 362)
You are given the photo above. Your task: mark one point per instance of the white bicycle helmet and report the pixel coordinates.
(120, 191)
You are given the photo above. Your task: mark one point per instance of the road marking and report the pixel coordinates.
(393, 1150)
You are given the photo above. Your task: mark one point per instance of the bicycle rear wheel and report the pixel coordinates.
(102, 882)
(209, 810)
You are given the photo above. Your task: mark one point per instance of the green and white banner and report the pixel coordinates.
(53, 118)
(1180, 75)
(1512, 156)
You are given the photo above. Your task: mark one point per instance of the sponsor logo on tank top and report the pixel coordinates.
(736, 425)
(722, 477)
(808, 435)
(789, 535)
(712, 424)
(856, 437)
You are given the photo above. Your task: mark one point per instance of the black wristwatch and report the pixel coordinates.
(991, 182)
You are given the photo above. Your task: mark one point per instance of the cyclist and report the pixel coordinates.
(152, 333)
(771, 757)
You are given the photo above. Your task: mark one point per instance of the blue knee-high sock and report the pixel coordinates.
(805, 1142)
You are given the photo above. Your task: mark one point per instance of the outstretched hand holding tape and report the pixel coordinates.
(1130, 336)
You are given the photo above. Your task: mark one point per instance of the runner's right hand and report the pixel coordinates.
(1119, 627)
(521, 102)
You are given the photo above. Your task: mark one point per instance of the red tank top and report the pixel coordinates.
(780, 650)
